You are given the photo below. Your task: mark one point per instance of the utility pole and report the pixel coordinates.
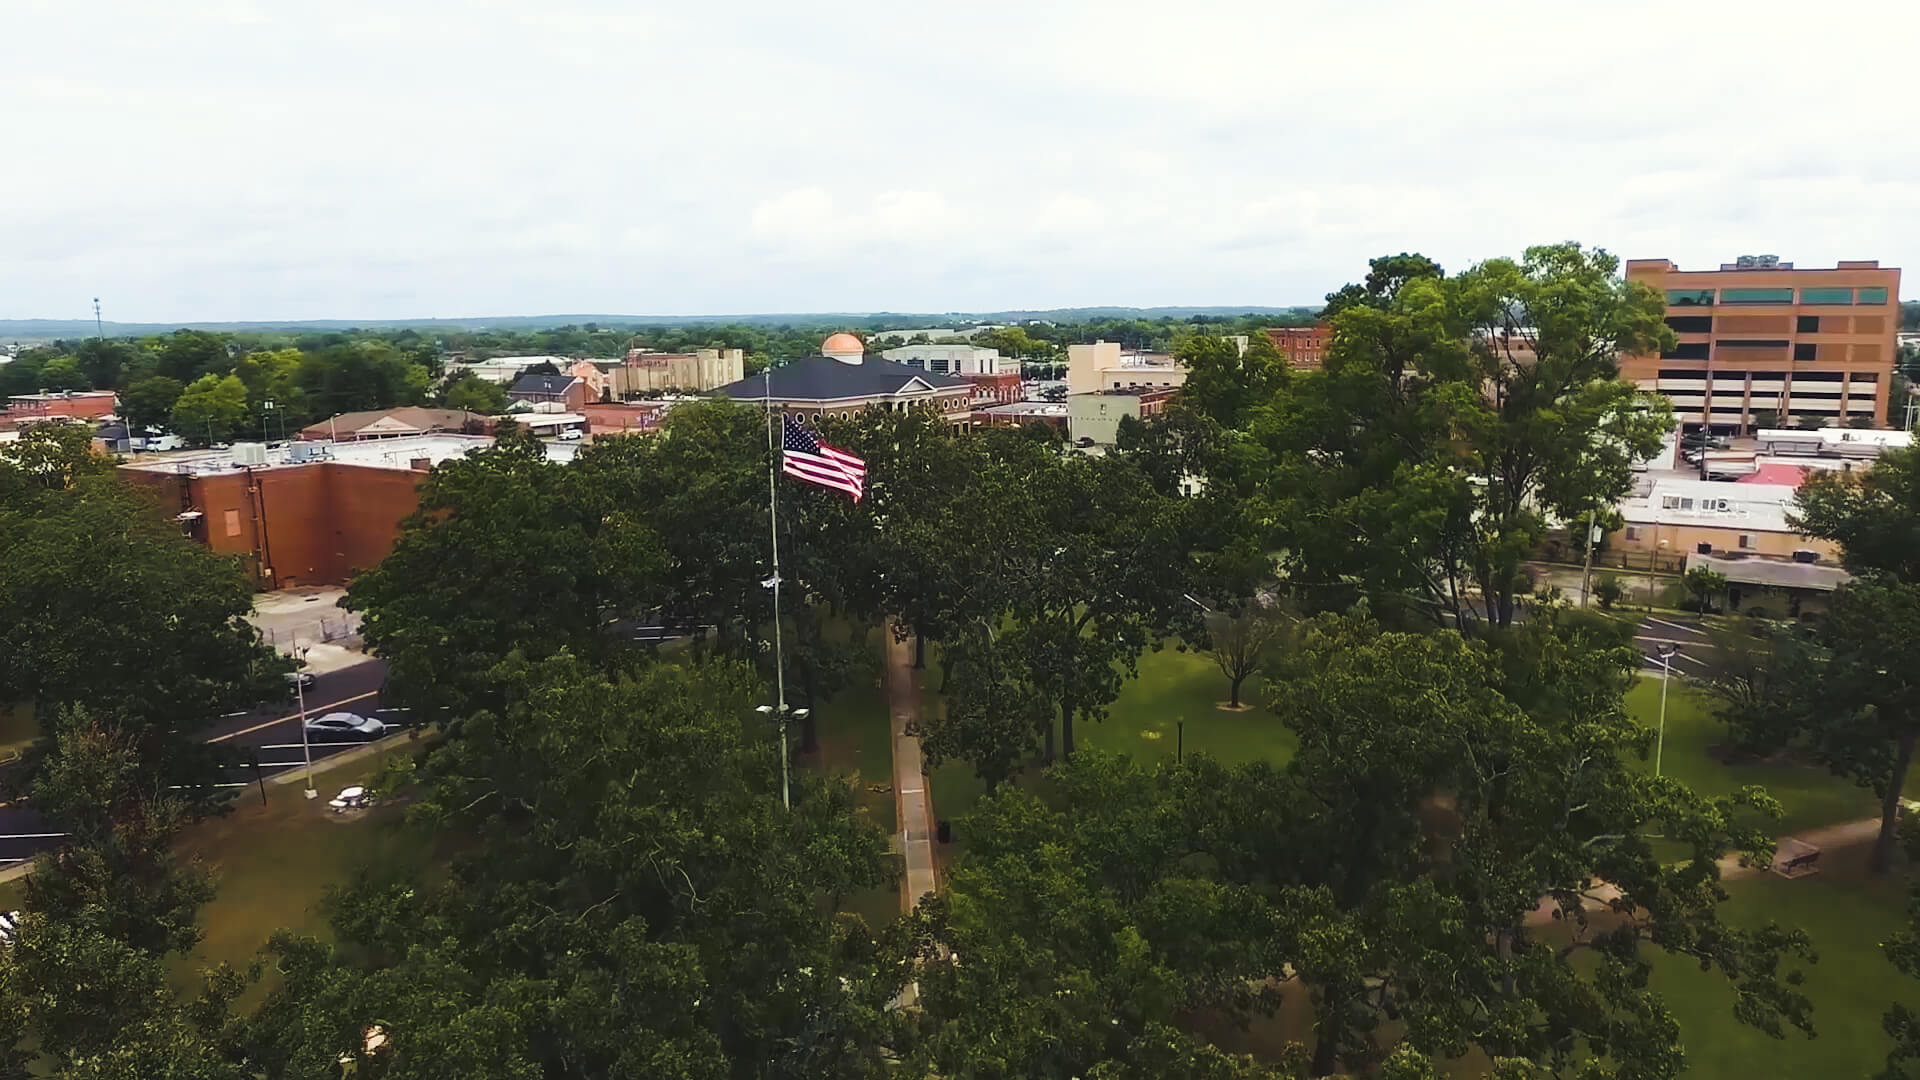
(1586, 571)
(306, 746)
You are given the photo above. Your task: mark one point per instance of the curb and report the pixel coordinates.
(282, 779)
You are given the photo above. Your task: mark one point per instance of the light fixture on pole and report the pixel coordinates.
(786, 797)
(300, 691)
(1667, 653)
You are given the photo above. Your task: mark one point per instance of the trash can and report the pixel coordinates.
(944, 830)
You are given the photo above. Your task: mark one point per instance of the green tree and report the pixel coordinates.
(1238, 641)
(1704, 584)
(149, 402)
(1874, 516)
(188, 355)
(497, 559)
(1386, 276)
(103, 603)
(632, 900)
(464, 390)
(63, 373)
(211, 409)
(107, 363)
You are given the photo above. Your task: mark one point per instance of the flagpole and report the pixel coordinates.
(773, 527)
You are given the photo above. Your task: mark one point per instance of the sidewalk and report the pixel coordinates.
(311, 618)
(913, 803)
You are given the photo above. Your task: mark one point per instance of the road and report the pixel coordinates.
(1693, 647)
(272, 731)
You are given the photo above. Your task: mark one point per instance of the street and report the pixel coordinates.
(271, 731)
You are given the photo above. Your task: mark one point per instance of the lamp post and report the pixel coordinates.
(1667, 653)
(300, 691)
(786, 796)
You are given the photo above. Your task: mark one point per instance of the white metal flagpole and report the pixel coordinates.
(773, 527)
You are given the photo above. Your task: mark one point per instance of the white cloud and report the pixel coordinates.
(378, 158)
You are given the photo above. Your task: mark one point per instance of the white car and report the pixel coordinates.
(569, 435)
(9, 925)
(344, 727)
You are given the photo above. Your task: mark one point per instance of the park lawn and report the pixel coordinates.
(856, 738)
(275, 863)
(1811, 795)
(1847, 916)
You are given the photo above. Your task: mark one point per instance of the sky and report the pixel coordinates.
(384, 159)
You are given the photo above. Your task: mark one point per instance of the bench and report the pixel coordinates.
(1795, 858)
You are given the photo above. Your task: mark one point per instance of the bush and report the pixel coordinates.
(1608, 591)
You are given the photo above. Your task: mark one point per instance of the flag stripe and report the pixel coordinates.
(823, 476)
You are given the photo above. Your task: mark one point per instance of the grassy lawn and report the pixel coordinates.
(1847, 917)
(855, 735)
(1812, 795)
(18, 729)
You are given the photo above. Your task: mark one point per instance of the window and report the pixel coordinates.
(1866, 377)
(1686, 350)
(1760, 376)
(1752, 343)
(1756, 296)
(1826, 296)
(1689, 297)
(1690, 324)
(1817, 376)
(1806, 324)
(1872, 296)
(1803, 353)
(233, 523)
(1682, 373)
(1633, 532)
(1746, 540)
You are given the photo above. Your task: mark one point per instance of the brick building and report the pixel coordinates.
(843, 381)
(567, 391)
(1303, 346)
(304, 514)
(66, 405)
(1765, 344)
(397, 424)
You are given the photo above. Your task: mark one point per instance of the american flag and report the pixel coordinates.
(815, 462)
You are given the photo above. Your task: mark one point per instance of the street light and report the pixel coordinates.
(300, 692)
(786, 797)
(1667, 653)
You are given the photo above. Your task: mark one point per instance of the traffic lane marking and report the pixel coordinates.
(293, 716)
(1695, 631)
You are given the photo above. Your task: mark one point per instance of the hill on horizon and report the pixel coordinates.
(24, 330)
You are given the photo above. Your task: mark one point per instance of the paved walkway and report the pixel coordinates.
(913, 800)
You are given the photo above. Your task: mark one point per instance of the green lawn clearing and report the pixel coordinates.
(1812, 795)
(18, 729)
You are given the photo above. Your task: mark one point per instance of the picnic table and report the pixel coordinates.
(353, 798)
(1795, 858)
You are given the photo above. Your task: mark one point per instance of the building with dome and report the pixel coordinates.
(843, 380)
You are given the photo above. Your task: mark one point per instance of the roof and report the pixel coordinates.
(398, 454)
(544, 384)
(1027, 408)
(822, 378)
(406, 420)
(1776, 473)
(1749, 507)
(1779, 573)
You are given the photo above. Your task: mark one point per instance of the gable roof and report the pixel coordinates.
(822, 378)
(543, 384)
(406, 419)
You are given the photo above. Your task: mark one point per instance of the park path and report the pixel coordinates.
(1828, 838)
(913, 799)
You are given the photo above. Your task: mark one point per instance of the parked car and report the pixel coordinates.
(9, 924)
(344, 727)
(569, 435)
(303, 679)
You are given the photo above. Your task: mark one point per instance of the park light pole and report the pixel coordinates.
(1667, 653)
(300, 692)
(786, 797)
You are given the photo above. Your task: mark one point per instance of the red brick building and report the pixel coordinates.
(69, 405)
(998, 389)
(1303, 346)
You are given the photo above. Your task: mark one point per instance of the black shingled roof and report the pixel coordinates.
(822, 378)
(543, 384)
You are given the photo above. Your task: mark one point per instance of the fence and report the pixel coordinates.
(1652, 562)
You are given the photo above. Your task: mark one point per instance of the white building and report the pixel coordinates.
(954, 359)
(507, 369)
(1104, 366)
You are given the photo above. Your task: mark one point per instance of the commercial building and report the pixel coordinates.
(644, 372)
(954, 359)
(397, 424)
(1103, 365)
(1771, 588)
(507, 369)
(305, 513)
(1021, 413)
(843, 381)
(65, 405)
(1095, 417)
(1678, 516)
(626, 417)
(1765, 344)
(1305, 347)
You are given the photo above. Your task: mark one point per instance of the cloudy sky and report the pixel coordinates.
(250, 159)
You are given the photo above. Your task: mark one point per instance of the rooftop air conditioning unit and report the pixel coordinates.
(1806, 555)
(249, 453)
(1703, 548)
